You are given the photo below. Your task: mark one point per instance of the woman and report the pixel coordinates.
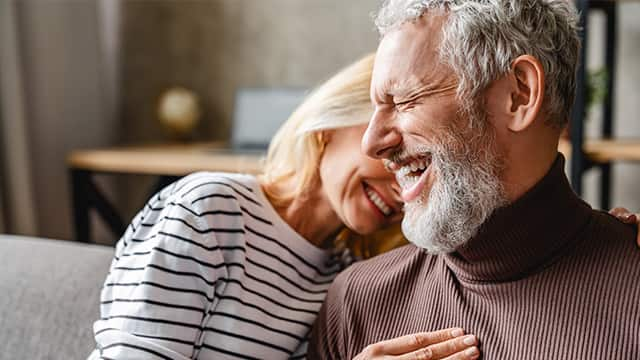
(232, 266)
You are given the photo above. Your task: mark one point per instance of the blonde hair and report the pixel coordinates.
(294, 155)
(295, 151)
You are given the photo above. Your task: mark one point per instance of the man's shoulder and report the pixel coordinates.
(609, 233)
(609, 245)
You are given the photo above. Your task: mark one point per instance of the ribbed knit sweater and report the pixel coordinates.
(546, 277)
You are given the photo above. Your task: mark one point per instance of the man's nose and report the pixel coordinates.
(381, 137)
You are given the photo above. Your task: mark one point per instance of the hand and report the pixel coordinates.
(627, 217)
(449, 344)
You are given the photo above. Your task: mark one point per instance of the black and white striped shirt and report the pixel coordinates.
(208, 270)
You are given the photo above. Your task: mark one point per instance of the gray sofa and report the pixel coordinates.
(49, 297)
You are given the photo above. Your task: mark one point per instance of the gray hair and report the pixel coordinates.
(481, 38)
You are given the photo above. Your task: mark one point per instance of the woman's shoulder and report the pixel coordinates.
(196, 203)
(213, 189)
(194, 209)
(204, 181)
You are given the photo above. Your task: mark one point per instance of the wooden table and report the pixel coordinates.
(598, 151)
(168, 162)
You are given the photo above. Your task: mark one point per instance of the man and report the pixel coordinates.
(470, 100)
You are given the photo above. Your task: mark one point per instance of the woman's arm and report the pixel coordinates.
(160, 286)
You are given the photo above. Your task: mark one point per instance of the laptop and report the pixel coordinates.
(257, 116)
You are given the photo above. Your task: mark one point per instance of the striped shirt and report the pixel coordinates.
(209, 270)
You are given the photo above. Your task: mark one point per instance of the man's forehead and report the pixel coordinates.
(409, 55)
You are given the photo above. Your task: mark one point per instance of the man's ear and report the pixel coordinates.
(527, 92)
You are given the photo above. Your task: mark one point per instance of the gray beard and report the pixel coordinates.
(465, 193)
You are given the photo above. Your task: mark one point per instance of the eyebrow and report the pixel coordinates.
(405, 89)
(409, 89)
(413, 91)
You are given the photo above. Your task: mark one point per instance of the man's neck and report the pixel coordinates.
(525, 235)
(525, 168)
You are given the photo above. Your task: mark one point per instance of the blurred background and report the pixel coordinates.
(84, 74)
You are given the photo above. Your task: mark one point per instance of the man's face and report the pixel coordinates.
(443, 157)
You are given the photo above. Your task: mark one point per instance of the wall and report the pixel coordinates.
(214, 47)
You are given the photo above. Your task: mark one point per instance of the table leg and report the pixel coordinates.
(105, 210)
(81, 204)
(86, 195)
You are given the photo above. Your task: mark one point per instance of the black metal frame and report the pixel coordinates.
(87, 196)
(579, 162)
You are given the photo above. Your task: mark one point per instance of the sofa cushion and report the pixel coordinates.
(49, 297)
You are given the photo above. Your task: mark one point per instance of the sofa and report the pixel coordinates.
(49, 297)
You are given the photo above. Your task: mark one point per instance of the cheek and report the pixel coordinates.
(336, 175)
(377, 170)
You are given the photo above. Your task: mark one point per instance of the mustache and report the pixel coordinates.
(402, 154)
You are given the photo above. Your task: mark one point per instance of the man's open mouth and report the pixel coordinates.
(412, 176)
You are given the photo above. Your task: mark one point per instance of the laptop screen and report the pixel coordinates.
(259, 112)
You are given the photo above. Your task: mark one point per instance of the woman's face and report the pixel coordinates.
(363, 194)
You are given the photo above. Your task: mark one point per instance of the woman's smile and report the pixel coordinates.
(382, 207)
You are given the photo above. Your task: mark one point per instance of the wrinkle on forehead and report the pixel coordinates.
(410, 56)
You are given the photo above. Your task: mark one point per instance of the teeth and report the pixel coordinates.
(403, 174)
(380, 204)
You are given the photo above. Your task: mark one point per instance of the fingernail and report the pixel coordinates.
(469, 340)
(457, 332)
(472, 352)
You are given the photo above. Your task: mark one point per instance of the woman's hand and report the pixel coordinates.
(627, 217)
(449, 344)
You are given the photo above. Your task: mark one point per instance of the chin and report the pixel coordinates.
(448, 215)
(364, 229)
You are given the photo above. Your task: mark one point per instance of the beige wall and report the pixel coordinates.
(215, 47)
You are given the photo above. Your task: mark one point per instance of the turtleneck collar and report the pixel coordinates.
(526, 235)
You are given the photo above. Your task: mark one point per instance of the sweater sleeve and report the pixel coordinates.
(161, 285)
(328, 334)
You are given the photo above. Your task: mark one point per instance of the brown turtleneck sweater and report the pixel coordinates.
(546, 277)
